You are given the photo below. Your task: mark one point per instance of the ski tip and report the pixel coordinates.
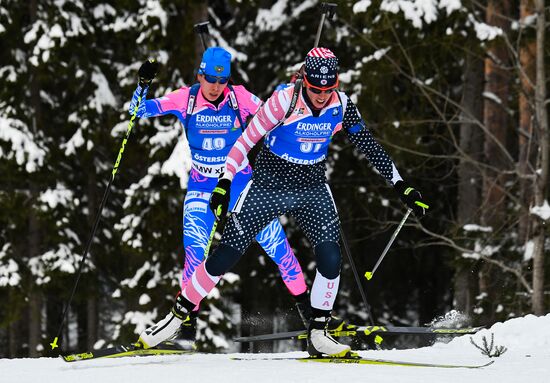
(77, 357)
(368, 275)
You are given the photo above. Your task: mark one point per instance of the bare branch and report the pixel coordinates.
(428, 89)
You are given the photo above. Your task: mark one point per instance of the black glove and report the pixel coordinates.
(147, 72)
(412, 198)
(219, 200)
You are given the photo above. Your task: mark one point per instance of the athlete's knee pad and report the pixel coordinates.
(328, 259)
(223, 259)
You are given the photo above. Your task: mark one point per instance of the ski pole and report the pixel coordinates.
(370, 274)
(329, 10)
(356, 275)
(212, 232)
(210, 239)
(54, 344)
(202, 30)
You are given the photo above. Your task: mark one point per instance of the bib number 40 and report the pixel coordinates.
(217, 143)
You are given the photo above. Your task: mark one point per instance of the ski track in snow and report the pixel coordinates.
(527, 361)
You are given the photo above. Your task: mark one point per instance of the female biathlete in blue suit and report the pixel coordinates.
(213, 114)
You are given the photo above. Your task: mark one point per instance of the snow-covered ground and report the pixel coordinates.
(526, 361)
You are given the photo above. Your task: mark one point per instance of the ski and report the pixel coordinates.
(165, 348)
(348, 330)
(383, 362)
(392, 362)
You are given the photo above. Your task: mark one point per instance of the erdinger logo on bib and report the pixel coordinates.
(223, 119)
(314, 129)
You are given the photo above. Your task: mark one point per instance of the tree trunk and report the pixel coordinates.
(34, 301)
(92, 321)
(543, 164)
(527, 140)
(469, 177)
(13, 339)
(81, 311)
(35, 312)
(496, 120)
(17, 328)
(34, 234)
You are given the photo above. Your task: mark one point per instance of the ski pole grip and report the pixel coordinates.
(201, 29)
(328, 9)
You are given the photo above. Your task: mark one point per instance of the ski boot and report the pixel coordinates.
(320, 343)
(185, 339)
(167, 328)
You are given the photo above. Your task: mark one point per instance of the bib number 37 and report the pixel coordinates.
(308, 147)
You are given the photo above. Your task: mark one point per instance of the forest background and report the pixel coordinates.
(455, 90)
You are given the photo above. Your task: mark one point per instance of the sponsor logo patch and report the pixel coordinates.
(196, 207)
(217, 131)
(303, 139)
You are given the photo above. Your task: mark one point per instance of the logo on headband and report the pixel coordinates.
(218, 68)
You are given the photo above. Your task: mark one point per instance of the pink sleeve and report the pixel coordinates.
(175, 101)
(263, 122)
(249, 104)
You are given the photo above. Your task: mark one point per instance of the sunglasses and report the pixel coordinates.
(319, 90)
(215, 79)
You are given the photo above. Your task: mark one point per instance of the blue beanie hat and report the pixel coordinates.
(216, 61)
